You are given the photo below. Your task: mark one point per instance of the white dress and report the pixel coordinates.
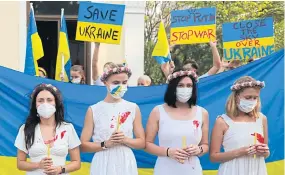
(66, 139)
(170, 134)
(118, 160)
(238, 135)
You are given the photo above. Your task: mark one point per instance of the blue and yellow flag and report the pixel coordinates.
(161, 50)
(34, 48)
(63, 62)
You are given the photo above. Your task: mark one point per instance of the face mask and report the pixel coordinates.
(247, 105)
(183, 94)
(76, 80)
(118, 91)
(46, 110)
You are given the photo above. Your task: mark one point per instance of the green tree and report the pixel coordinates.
(226, 12)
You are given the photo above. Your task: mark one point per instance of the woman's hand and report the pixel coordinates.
(116, 138)
(178, 154)
(45, 163)
(262, 149)
(54, 170)
(248, 150)
(193, 150)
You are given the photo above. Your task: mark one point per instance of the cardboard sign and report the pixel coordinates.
(98, 22)
(248, 39)
(193, 26)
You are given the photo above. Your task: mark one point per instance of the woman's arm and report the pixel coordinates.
(216, 142)
(205, 133)
(22, 163)
(139, 141)
(75, 162)
(86, 144)
(151, 131)
(262, 148)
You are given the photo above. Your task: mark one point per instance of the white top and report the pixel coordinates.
(204, 75)
(118, 160)
(98, 82)
(238, 135)
(170, 135)
(67, 139)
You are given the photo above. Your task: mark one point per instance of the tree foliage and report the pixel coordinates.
(231, 11)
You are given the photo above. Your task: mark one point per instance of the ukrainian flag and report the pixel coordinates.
(34, 48)
(63, 63)
(161, 50)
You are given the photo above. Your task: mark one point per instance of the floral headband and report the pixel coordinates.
(243, 85)
(116, 70)
(44, 85)
(180, 74)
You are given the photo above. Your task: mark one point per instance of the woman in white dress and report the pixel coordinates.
(111, 123)
(46, 137)
(182, 128)
(242, 132)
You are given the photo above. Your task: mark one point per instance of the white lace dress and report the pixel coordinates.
(238, 135)
(118, 160)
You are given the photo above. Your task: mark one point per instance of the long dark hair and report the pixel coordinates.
(170, 94)
(33, 119)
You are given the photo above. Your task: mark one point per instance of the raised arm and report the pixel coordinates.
(216, 59)
(95, 71)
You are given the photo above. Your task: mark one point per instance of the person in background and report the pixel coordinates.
(45, 137)
(242, 132)
(230, 65)
(77, 74)
(95, 70)
(192, 65)
(42, 72)
(112, 125)
(144, 80)
(182, 128)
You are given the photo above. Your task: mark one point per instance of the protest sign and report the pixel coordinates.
(248, 39)
(193, 26)
(98, 22)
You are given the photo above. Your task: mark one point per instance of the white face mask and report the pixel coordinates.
(183, 94)
(118, 91)
(76, 80)
(46, 110)
(247, 105)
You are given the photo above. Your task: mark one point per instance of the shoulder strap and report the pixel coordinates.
(199, 114)
(227, 119)
(260, 119)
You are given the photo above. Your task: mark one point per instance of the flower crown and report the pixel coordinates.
(239, 86)
(116, 70)
(180, 74)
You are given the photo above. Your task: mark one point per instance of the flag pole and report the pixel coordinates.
(62, 55)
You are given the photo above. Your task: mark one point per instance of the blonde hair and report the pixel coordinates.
(231, 105)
